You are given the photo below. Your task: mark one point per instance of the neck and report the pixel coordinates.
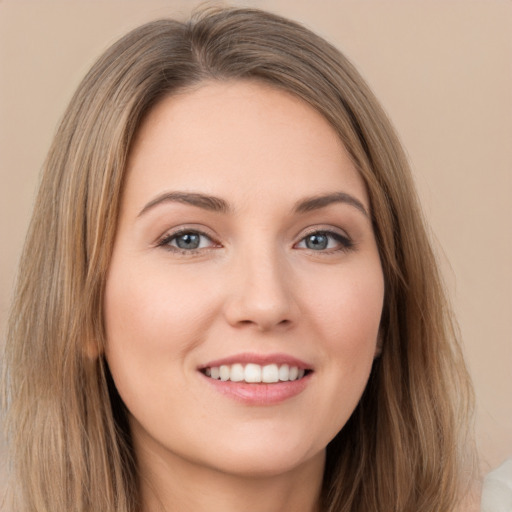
(172, 483)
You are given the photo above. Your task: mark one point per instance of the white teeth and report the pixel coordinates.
(237, 373)
(270, 373)
(224, 372)
(254, 373)
(284, 372)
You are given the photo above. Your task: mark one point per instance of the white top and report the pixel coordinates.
(497, 489)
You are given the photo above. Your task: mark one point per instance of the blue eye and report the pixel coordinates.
(186, 241)
(317, 241)
(325, 241)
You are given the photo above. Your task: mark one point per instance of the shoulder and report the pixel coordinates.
(497, 489)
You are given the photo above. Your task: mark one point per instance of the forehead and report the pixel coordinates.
(239, 136)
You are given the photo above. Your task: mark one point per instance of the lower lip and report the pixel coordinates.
(260, 393)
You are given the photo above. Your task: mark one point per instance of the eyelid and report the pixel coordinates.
(324, 229)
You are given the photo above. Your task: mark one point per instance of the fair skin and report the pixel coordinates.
(244, 245)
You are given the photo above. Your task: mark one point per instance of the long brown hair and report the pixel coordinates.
(403, 449)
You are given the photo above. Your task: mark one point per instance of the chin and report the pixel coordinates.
(266, 463)
(260, 456)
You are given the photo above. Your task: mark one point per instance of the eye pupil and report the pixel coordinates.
(188, 241)
(317, 242)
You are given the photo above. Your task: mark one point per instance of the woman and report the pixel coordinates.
(227, 299)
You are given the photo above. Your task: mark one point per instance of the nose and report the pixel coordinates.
(261, 292)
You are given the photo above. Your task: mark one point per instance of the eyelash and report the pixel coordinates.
(345, 243)
(166, 241)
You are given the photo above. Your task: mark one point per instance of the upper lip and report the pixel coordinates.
(260, 359)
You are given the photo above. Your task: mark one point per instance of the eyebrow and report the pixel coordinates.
(212, 203)
(216, 204)
(321, 201)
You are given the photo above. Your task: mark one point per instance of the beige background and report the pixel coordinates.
(442, 69)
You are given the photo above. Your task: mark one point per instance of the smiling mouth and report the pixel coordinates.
(255, 373)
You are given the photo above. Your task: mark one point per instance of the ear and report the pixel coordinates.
(92, 349)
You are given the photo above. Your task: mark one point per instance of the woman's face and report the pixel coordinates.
(244, 253)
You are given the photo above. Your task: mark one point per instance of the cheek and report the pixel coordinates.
(142, 311)
(344, 309)
(150, 327)
(348, 307)
(347, 318)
